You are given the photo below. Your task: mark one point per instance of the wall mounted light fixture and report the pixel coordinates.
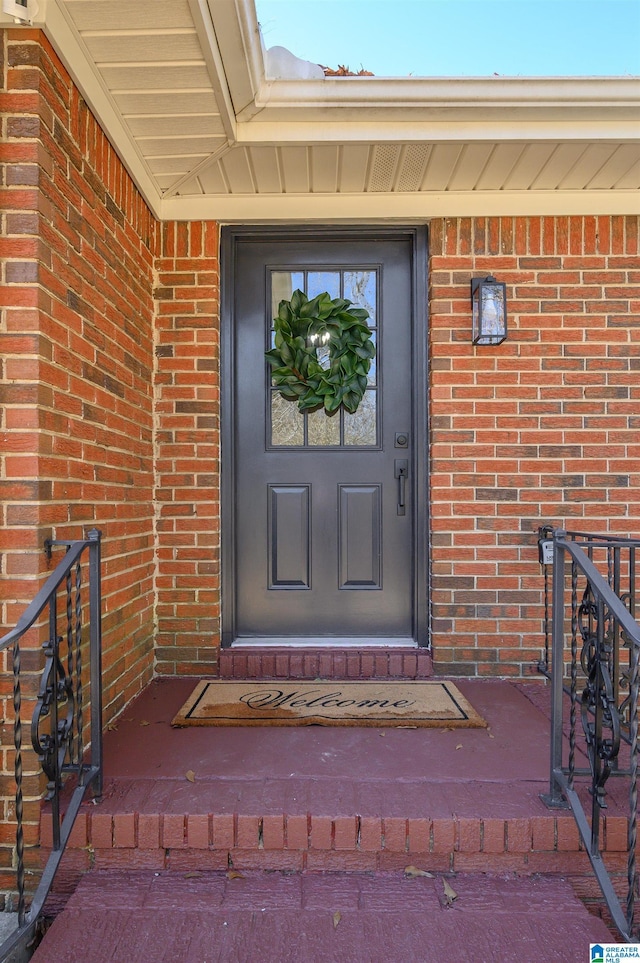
(489, 307)
(22, 11)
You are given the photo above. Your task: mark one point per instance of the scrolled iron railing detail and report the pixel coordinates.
(55, 707)
(599, 713)
(57, 724)
(624, 678)
(601, 654)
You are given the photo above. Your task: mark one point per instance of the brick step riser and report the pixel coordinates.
(294, 842)
(329, 663)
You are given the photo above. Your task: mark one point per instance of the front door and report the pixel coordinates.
(320, 510)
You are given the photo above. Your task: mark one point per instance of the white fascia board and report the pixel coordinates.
(200, 13)
(409, 109)
(376, 207)
(382, 102)
(237, 37)
(414, 130)
(70, 48)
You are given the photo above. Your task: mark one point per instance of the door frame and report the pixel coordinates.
(233, 235)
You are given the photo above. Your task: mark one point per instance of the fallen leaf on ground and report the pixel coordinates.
(234, 874)
(112, 727)
(382, 733)
(459, 746)
(336, 919)
(449, 893)
(143, 722)
(411, 871)
(190, 775)
(193, 875)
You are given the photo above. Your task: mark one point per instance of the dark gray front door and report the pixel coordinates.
(322, 541)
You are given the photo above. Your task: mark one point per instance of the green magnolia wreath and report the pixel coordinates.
(303, 326)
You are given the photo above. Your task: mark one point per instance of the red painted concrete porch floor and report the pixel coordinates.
(118, 917)
(324, 820)
(258, 788)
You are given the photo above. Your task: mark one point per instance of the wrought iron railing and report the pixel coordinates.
(66, 722)
(593, 667)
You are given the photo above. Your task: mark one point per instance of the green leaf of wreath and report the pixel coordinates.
(295, 368)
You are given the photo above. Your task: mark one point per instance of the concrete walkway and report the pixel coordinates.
(8, 923)
(233, 917)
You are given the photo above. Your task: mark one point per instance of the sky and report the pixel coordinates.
(464, 38)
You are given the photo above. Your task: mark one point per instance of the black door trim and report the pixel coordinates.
(231, 236)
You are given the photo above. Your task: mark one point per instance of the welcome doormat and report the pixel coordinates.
(305, 703)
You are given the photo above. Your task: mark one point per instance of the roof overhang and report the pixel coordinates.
(210, 125)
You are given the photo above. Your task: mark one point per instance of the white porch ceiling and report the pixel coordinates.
(181, 89)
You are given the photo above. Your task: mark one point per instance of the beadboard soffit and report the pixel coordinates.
(210, 127)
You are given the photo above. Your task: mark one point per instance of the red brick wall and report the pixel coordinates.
(76, 339)
(544, 428)
(541, 429)
(188, 450)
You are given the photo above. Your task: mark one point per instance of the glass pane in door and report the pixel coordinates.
(288, 426)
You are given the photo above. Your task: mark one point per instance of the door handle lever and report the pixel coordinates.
(401, 472)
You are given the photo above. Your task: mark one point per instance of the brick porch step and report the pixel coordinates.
(315, 841)
(332, 799)
(200, 917)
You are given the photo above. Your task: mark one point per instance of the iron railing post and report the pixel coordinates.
(632, 827)
(555, 797)
(94, 536)
(598, 713)
(52, 652)
(17, 741)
